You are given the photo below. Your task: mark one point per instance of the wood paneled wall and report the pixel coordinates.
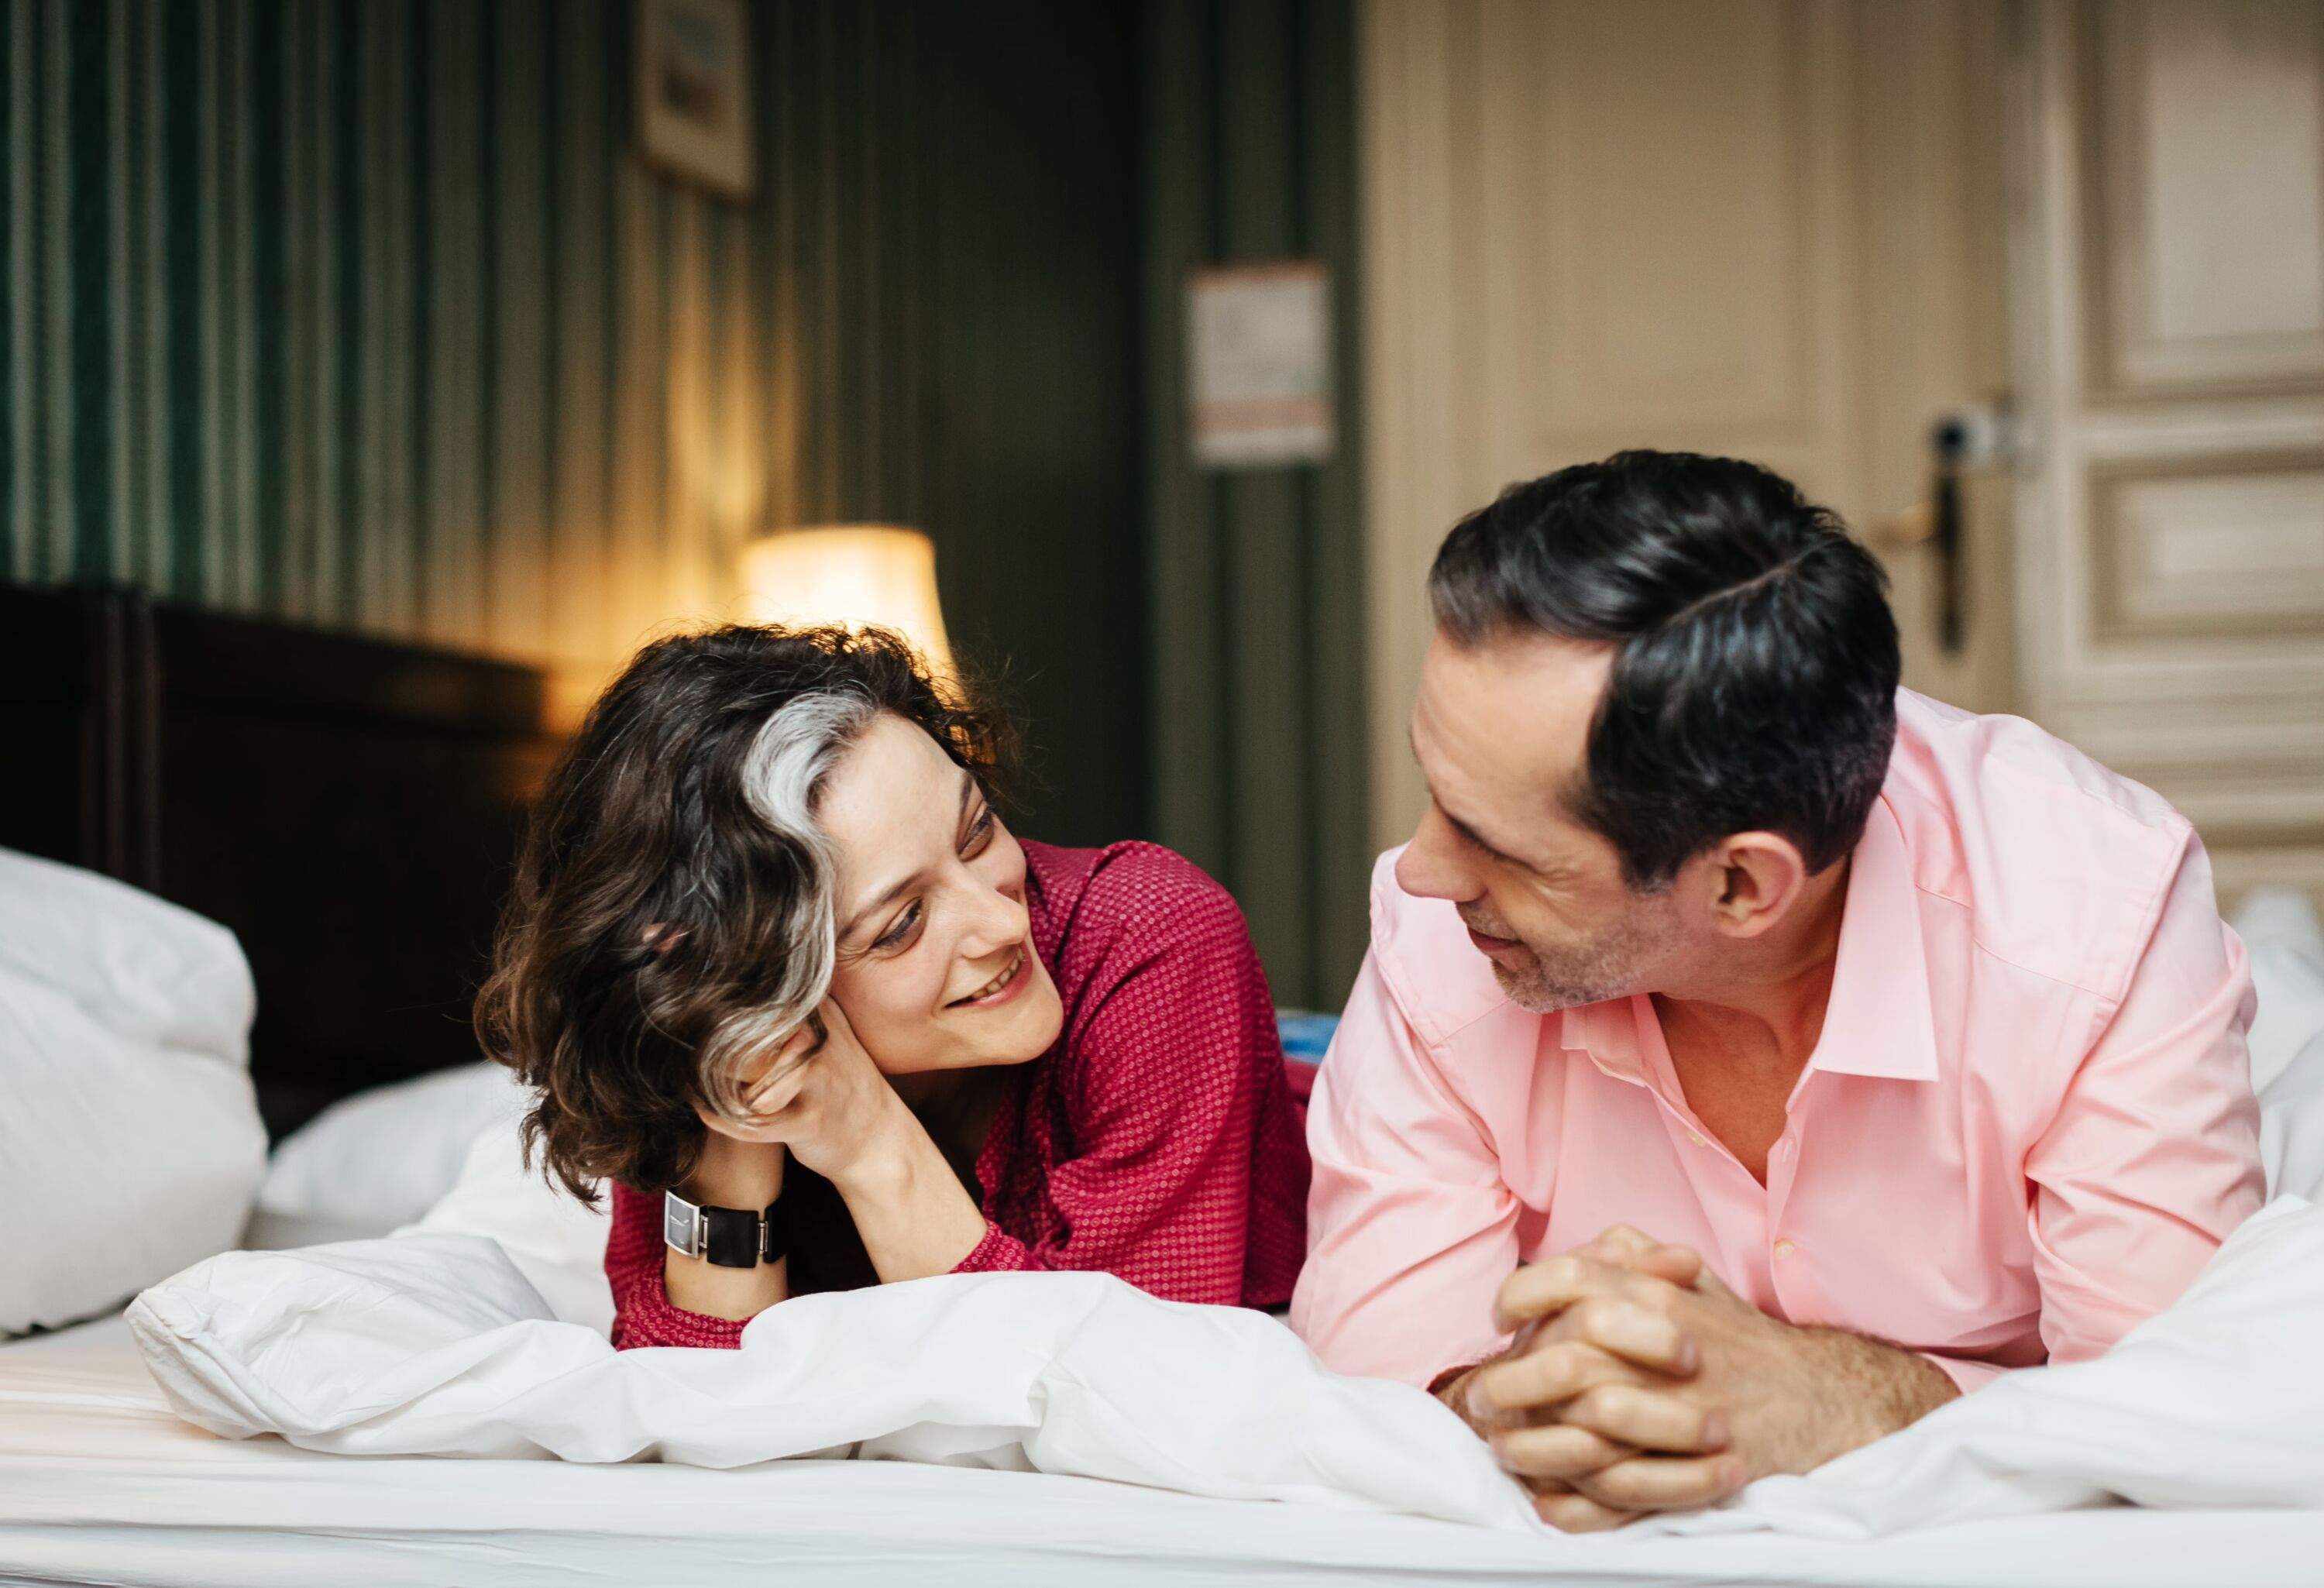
(2169, 276)
(369, 314)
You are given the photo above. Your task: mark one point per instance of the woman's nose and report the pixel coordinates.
(1001, 921)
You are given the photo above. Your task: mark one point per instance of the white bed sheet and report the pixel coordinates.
(100, 1484)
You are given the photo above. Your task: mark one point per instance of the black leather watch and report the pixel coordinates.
(730, 1237)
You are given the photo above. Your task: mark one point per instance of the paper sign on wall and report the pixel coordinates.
(1258, 365)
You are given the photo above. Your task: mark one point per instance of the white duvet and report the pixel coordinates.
(480, 1333)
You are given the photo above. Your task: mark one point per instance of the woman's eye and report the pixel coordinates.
(897, 933)
(979, 834)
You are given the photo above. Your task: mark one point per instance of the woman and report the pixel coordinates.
(771, 949)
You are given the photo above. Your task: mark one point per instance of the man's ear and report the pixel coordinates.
(1747, 881)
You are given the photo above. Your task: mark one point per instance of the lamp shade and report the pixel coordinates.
(859, 574)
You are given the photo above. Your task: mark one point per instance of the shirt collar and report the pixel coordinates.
(1607, 1034)
(1878, 1021)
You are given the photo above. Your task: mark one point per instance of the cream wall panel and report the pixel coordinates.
(1763, 228)
(2233, 551)
(2205, 168)
(2169, 269)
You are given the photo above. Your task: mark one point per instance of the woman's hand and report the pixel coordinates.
(824, 1100)
(824, 1103)
(828, 1105)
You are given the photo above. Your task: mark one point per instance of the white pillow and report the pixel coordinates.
(382, 1157)
(2291, 1126)
(2279, 929)
(134, 964)
(130, 1142)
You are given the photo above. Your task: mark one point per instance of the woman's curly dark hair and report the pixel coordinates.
(671, 913)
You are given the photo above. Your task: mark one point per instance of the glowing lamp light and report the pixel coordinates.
(859, 574)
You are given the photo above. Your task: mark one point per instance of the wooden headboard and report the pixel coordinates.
(350, 807)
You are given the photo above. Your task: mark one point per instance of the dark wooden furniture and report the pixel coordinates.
(350, 807)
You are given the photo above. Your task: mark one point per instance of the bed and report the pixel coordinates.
(166, 721)
(100, 1484)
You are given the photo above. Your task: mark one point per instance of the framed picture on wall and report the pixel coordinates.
(1258, 365)
(694, 116)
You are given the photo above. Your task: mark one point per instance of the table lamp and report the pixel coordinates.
(859, 574)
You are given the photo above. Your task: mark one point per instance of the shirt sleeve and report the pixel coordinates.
(1169, 1047)
(643, 1313)
(1411, 1227)
(2153, 1158)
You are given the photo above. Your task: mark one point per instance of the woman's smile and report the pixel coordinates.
(1003, 988)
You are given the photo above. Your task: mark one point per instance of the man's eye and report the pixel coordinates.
(896, 934)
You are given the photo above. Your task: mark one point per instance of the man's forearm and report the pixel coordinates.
(1869, 1390)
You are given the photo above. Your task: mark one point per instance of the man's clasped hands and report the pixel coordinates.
(1637, 1381)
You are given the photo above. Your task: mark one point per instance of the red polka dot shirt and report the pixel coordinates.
(1156, 1141)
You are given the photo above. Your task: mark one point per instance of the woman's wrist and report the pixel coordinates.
(735, 1174)
(914, 1216)
(885, 1161)
(747, 1175)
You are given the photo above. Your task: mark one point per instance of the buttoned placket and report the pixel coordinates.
(1658, 1076)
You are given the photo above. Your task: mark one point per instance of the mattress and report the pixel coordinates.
(100, 1484)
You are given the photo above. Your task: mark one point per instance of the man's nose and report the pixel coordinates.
(1430, 866)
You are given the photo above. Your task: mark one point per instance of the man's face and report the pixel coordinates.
(1501, 731)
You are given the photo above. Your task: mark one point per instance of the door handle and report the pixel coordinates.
(1949, 442)
(1969, 441)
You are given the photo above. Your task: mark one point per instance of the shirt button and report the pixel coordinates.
(1782, 1249)
(1696, 1137)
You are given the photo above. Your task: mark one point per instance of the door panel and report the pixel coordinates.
(1763, 228)
(2201, 124)
(2167, 267)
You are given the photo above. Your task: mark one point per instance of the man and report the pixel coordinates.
(1838, 1050)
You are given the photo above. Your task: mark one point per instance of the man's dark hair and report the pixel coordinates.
(1753, 684)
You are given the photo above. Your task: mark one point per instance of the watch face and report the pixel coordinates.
(677, 1223)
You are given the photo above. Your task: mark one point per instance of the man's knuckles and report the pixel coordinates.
(1557, 1451)
(1651, 1419)
(1618, 1243)
(1539, 1285)
(1570, 1512)
(1662, 1482)
(1638, 1328)
(1550, 1373)
(1553, 1285)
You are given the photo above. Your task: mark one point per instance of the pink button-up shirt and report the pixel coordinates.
(2027, 1122)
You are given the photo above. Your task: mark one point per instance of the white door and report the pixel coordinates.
(1764, 227)
(2167, 275)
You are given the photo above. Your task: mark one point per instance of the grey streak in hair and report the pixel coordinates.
(782, 776)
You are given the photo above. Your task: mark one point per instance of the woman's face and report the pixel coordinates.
(936, 969)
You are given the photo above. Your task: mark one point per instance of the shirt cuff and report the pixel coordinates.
(995, 1254)
(1436, 1386)
(651, 1318)
(1965, 1375)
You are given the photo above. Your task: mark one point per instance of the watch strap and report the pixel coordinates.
(728, 1237)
